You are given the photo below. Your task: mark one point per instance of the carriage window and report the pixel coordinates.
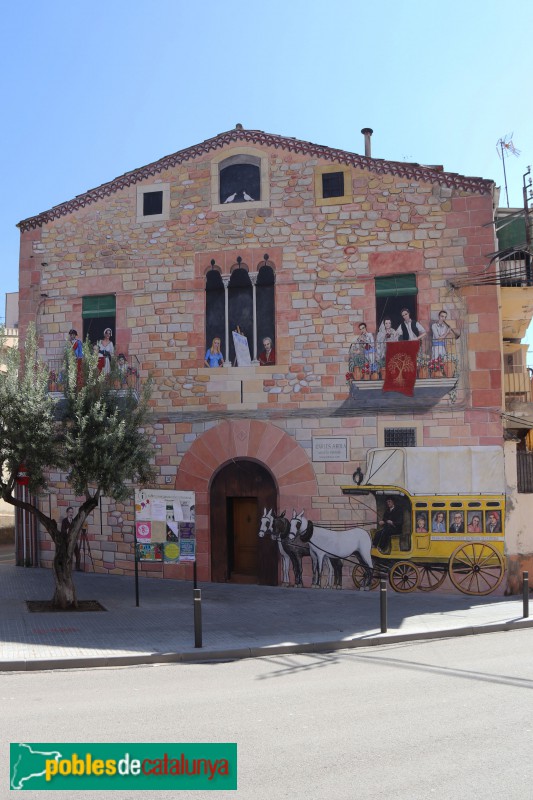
(474, 505)
(439, 505)
(421, 505)
(493, 505)
(456, 505)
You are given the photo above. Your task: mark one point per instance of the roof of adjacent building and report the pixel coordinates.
(431, 174)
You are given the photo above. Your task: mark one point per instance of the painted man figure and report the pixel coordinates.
(409, 329)
(392, 523)
(458, 524)
(65, 530)
(268, 356)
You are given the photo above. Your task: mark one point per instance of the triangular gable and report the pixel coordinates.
(247, 137)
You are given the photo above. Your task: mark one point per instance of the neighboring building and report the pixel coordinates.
(12, 310)
(330, 256)
(7, 512)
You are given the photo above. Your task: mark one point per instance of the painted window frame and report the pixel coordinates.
(146, 189)
(249, 155)
(347, 197)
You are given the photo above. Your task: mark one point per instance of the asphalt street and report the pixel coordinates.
(443, 718)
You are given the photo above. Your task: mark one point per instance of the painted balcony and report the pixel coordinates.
(128, 378)
(438, 371)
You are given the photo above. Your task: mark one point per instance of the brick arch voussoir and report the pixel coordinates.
(259, 441)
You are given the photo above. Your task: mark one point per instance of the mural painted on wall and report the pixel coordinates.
(402, 358)
(439, 514)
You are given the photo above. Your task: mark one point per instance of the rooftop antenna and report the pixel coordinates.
(506, 147)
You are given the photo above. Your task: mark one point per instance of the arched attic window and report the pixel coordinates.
(240, 179)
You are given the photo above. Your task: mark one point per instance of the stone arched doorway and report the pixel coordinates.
(239, 492)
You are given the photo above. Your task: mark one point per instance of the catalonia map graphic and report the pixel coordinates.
(27, 763)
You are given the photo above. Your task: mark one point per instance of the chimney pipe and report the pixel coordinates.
(367, 133)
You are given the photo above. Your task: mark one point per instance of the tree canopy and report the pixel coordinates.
(95, 434)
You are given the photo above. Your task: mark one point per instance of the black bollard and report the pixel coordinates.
(197, 617)
(525, 593)
(383, 604)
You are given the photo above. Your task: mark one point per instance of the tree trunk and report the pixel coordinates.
(65, 592)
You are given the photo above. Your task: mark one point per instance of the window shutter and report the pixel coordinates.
(103, 305)
(396, 286)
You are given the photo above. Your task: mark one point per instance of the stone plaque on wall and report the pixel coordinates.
(329, 449)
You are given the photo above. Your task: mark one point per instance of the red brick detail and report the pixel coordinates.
(395, 262)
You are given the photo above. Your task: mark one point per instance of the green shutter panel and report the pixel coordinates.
(102, 305)
(396, 286)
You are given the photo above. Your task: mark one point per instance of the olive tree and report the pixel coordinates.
(95, 434)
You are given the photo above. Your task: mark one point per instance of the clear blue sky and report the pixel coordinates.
(94, 89)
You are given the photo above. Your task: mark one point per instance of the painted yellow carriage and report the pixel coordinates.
(453, 506)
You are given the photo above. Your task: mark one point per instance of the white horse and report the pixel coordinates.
(324, 543)
(275, 525)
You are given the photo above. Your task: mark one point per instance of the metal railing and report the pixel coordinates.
(128, 375)
(517, 384)
(436, 359)
(524, 463)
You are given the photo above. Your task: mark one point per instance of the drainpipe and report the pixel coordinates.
(367, 133)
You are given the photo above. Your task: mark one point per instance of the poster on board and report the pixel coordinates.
(165, 525)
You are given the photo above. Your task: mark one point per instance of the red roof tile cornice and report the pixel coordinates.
(376, 165)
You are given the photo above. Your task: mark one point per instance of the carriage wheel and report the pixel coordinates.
(476, 568)
(359, 574)
(404, 577)
(431, 577)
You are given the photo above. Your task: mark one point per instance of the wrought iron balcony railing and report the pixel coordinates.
(436, 359)
(127, 376)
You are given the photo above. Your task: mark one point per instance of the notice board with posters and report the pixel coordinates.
(165, 526)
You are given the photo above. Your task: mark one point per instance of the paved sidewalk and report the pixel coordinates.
(238, 621)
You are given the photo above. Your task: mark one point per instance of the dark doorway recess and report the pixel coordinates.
(239, 493)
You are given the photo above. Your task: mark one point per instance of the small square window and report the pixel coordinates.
(332, 184)
(400, 437)
(152, 203)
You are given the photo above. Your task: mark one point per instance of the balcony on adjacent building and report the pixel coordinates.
(517, 386)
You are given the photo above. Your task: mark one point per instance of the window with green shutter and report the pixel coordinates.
(98, 313)
(393, 293)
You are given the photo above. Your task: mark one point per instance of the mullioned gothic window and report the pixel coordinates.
(230, 306)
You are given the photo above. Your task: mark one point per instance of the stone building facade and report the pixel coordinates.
(299, 243)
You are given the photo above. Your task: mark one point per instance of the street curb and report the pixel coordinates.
(236, 654)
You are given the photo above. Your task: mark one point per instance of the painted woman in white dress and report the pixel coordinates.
(105, 352)
(386, 334)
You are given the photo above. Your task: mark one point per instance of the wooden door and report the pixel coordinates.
(245, 538)
(250, 482)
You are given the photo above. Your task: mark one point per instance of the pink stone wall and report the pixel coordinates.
(325, 259)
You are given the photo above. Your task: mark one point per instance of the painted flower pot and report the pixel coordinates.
(366, 376)
(52, 386)
(357, 373)
(374, 376)
(449, 369)
(132, 381)
(423, 372)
